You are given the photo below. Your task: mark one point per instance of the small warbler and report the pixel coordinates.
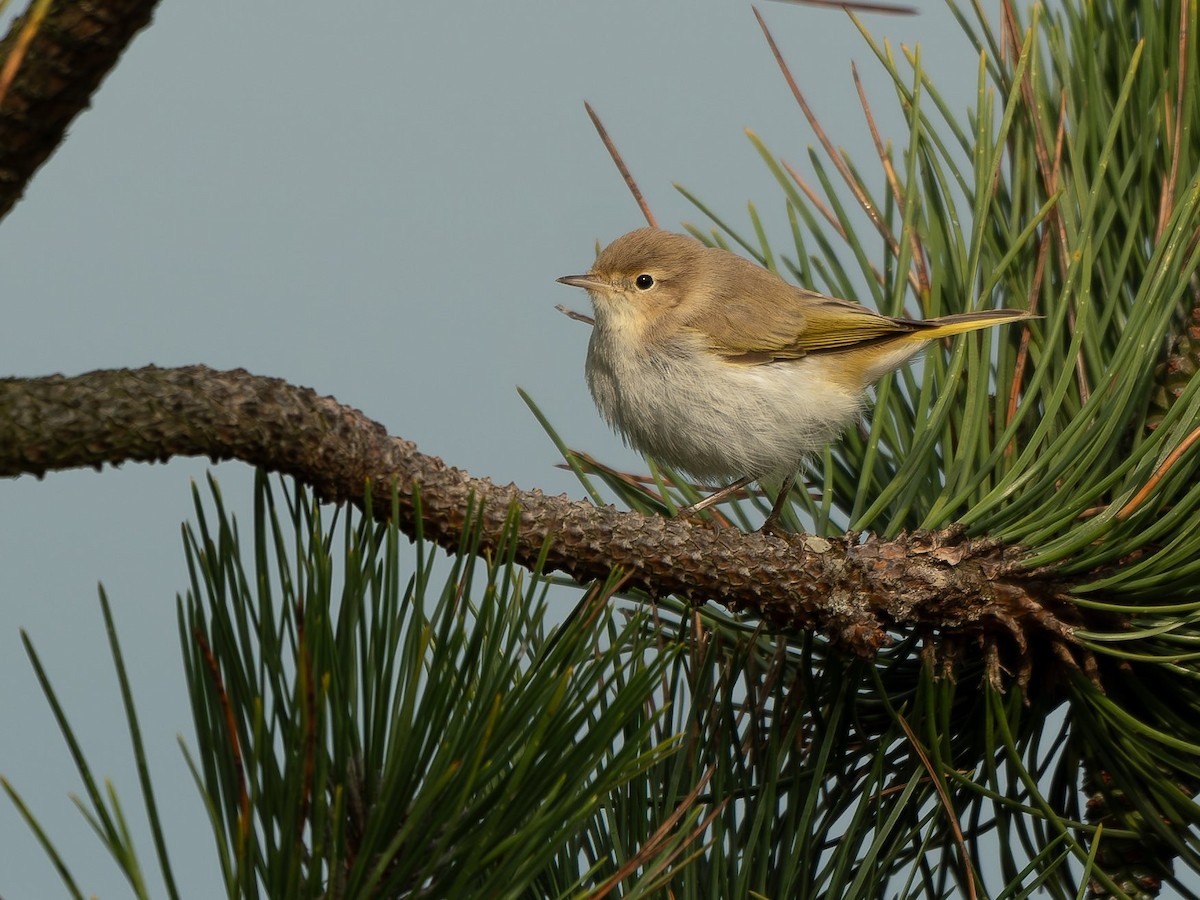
(720, 368)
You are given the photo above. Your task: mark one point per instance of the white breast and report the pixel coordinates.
(712, 419)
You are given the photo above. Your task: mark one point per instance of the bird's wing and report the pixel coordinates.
(839, 324)
(792, 325)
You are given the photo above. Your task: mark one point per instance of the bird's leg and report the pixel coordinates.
(772, 522)
(715, 497)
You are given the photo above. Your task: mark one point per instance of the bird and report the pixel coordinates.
(718, 367)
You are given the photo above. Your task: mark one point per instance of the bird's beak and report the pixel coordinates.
(587, 282)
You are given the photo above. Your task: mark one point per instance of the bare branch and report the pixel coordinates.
(853, 590)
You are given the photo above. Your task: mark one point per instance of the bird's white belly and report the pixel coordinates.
(714, 419)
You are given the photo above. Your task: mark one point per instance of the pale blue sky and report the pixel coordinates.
(371, 199)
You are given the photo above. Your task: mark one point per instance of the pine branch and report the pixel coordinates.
(852, 589)
(51, 69)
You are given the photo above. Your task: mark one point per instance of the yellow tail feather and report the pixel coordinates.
(944, 326)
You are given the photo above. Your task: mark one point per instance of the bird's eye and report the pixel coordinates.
(644, 282)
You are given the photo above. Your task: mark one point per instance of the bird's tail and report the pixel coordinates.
(944, 326)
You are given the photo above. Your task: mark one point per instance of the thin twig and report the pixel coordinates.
(855, 6)
(21, 46)
(577, 316)
(940, 786)
(1056, 219)
(815, 199)
(1166, 203)
(1159, 474)
(654, 842)
(889, 170)
(621, 167)
(836, 158)
(304, 677)
(1049, 169)
(235, 747)
(646, 483)
(825, 212)
(1008, 21)
(595, 467)
(920, 279)
(1035, 293)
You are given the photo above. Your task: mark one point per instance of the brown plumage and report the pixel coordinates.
(717, 366)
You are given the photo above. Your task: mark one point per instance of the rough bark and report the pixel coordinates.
(59, 64)
(852, 588)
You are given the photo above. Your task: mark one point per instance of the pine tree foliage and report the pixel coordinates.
(1072, 189)
(362, 730)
